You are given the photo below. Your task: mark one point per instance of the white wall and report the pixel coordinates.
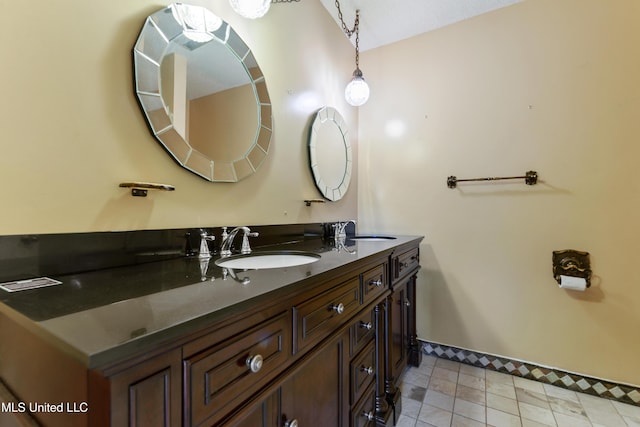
(543, 85)
(71, 128)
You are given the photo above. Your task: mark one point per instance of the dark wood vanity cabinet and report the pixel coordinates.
(326, 353)
(405, 268)
(402, 347)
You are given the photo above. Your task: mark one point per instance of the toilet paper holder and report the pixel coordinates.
(573, 263)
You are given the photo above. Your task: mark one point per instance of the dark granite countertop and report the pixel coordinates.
(107, 315)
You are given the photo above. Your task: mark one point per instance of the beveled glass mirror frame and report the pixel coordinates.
(330, 153)
(185, 26)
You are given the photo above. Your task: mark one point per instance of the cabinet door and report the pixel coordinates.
(397, 331)
(263, 413)
(316, 394)
(149, 394)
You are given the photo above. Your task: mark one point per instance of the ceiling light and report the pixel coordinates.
(197, 22)
(357, 91)
(254, 9)
(251, 9)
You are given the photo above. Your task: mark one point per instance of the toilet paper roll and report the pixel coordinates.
(573, 283)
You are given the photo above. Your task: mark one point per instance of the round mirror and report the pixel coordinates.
(202, 93)
(330, 153)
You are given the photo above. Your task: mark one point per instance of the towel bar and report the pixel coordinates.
(530, 178)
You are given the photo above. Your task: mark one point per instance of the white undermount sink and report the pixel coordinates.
(267, 259)
(372, 238)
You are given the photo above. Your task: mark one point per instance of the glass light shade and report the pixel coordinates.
(251, 9)
(197, 22)
(357, 91)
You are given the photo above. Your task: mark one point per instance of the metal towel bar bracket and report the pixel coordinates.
(530, 178)
(139, 189)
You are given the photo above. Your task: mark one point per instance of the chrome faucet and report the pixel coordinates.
(339, 229)
(225, 249)
(204, 252)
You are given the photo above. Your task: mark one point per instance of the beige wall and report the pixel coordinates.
(72, 129)
(543, 85)
(215, 128)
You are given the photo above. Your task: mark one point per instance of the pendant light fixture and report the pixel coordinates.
(357, 91)
(251, 9)
(254, 9)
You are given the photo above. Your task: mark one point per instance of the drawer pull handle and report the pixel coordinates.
(338, 308)
(366, 370)
(369, 415)
(292, 423)
(254, 363)
(377, 283)
(366, 325)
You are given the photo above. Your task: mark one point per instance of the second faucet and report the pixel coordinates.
(227, 241)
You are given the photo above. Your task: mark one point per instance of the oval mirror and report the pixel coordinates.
(330, 153)
(202, 93)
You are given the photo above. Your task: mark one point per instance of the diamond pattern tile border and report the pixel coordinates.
(621, 392)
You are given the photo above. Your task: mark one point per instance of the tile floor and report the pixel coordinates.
(446, 393)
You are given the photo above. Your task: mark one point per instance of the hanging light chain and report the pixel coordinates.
(350, 32)
(357, 27)
(344, 26)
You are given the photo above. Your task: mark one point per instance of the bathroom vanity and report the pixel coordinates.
(321, 344)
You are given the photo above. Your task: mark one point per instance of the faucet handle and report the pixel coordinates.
(204, 252)
(246, 248)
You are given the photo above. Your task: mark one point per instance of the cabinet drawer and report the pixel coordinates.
(235, 369)
(362, 414)
(406, 262)
(362, 331)
(363, 372)
(316, 318)
(374, 283)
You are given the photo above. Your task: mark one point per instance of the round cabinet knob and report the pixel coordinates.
(292, 423)
(407, 303)
(254, 363)
(366, 325)
(376, 283)
(366, 370)
(338, 308)
(369, 415)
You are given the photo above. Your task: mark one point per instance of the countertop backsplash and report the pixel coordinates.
(30, 256)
